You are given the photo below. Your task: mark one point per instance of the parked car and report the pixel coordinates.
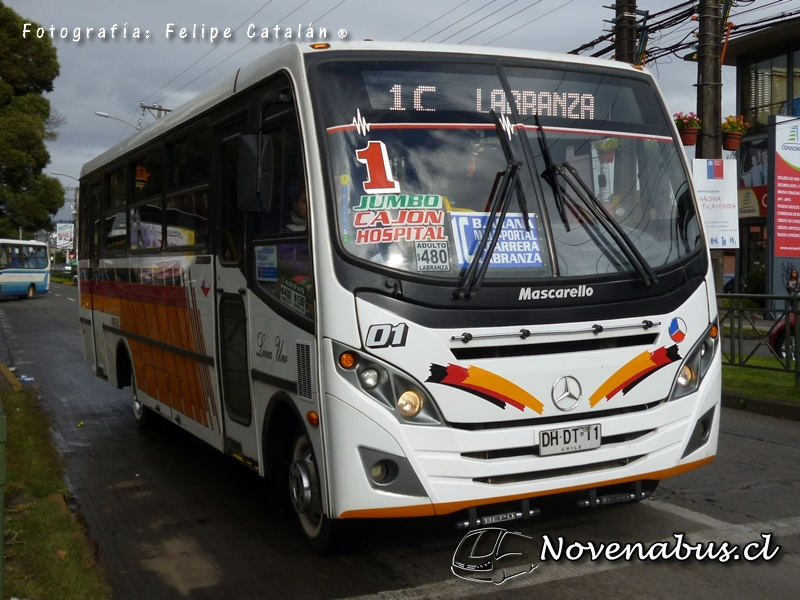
(777, 337)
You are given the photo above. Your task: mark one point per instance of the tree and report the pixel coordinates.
(28, 197)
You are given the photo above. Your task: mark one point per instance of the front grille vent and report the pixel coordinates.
(562, 472)
(562, 418)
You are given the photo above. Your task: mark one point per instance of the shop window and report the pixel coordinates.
(764, 89)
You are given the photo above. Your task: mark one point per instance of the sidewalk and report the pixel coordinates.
(770, 408)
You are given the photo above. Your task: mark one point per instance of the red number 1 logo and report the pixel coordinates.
(379, 172)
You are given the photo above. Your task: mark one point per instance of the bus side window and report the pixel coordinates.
(281, 253)
(231, 241)
(3, 257)
(16, 258)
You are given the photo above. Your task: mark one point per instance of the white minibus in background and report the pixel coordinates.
(24, 268)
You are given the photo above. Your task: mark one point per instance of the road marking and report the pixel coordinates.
(715, 531)
(71, 299)
(687, 514)
(59, 295)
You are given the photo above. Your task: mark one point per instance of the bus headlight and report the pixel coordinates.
(409, 404)
(686, 376)
(696, 364)
(407, 399)
(369, 378)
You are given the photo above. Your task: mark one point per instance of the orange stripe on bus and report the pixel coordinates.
(178, 381)
(446, 508)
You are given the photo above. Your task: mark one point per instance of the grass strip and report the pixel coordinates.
(47, 552)
(65, 278)
(755, 383)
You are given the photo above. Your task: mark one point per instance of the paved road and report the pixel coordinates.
(175, 519)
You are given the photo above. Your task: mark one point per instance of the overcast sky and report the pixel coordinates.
(115, 75)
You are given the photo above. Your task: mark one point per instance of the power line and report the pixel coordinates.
(267, 3)
(447, 12)
(500, 21)
(322, 16)
(676, 24)
(531, 21)
(461, 19)
(486, 17)
(230, 56)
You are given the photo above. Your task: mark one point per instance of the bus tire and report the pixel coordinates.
(320, 532)
(31, 291)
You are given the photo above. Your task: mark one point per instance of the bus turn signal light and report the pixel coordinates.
(312, 418)
(347, 360)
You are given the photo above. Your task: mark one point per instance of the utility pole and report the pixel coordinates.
(625, 42)
(709, 97)
(625, 51)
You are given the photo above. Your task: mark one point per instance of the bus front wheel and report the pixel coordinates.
(304, 493)
(31, 292)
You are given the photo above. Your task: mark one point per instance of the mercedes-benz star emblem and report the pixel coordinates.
(566, 393)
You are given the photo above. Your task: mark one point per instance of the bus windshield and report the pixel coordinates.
(416, 163)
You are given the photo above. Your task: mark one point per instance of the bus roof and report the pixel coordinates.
(25, 242)
(291, 55)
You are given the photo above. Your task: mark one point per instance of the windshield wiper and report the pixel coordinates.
(505, 183)
(587, 196)
(550, 174)
(613, 228)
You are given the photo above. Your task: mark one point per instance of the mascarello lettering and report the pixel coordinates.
(582, 291)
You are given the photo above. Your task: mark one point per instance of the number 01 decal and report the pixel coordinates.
(379, 171)
(384, 336)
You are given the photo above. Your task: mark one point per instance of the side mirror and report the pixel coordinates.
(254, 172)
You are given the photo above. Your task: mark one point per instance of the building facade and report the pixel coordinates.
(767, 89)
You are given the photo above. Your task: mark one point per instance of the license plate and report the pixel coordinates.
(569, 439)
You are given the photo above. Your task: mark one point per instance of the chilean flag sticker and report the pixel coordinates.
(677, 330)
(715, 168)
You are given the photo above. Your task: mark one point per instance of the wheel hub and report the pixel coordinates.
(300, 486)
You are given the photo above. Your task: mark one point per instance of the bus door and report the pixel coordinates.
(231, 292)
(89, 273)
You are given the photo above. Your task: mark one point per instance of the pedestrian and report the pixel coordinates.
(793, 286)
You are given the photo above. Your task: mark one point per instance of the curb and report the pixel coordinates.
(11, 378)
(770, 408)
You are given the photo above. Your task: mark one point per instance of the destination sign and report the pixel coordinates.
(567, 105)
(419, 92)
(516, 246)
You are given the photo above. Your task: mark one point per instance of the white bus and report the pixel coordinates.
(24, 268)
(296, 268)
